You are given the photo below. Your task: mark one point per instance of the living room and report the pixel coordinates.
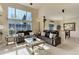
(55, 23)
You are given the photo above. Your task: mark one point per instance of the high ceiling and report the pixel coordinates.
(54, 10)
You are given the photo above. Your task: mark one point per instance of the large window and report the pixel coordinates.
(29, 16)
(20, 14)
(29, 26)
(51, 26)
(23, 26)
(14, 15)
(11, 13)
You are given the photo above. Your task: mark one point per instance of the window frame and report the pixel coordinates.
(24, 21)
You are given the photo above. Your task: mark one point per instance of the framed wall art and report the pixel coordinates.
(69, 26)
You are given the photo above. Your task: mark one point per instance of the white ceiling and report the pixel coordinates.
(54, 10)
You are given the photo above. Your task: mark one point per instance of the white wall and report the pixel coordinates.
(75, 33)
(47, 24)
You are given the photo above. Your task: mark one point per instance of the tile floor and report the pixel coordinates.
(70, 47)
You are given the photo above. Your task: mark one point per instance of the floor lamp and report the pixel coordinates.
(44, 20)
(63, 33)
(63, 18)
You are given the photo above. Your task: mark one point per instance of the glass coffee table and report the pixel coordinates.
(32, 42)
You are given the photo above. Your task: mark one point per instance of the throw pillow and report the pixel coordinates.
(43, 34)
(54, 35)
(31, 33)
(51, 35)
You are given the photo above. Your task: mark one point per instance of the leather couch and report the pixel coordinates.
(21, 37)
(25, 32)
(54, 40)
